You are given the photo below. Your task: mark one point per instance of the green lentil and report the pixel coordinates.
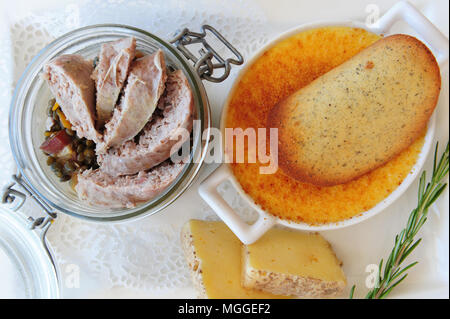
(80, 148)
(89, 153)
(50, 160)
(65, 178)
(83, 149)
(80, 158)
(95, 62)
(55, 116)
(55, 127)
(69, 167)
(55, 166)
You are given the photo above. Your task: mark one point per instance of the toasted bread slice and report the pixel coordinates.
(359, 115)
(292, 263)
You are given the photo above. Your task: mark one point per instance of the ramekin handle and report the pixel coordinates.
(246, 233)
(404, 11)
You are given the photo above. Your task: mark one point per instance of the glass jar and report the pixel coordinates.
(30, 100)
(24, 251)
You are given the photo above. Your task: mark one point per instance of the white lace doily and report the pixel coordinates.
(142, 254)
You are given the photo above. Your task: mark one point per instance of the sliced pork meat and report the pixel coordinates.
(145, 85)
(97, 188)
(110, 74)
(69, 79)
(159, 135)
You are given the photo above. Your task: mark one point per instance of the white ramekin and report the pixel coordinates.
(248, 234)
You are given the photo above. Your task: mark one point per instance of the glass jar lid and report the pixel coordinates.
(27, 269)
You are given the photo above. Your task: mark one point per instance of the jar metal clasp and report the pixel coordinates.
(16, 199)
(209, 59)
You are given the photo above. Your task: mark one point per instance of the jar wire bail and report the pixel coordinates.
(204, 64)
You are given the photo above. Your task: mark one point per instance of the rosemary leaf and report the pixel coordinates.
(405, 243)
(409, 250)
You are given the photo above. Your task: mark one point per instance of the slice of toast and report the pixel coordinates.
(292, 263)
(359, 115)
(213, 254)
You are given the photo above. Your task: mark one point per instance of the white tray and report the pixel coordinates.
(139, 258)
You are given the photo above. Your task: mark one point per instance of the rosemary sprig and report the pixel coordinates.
(393, 273)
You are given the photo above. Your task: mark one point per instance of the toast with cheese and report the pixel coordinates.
(213, 254)
(292, 263)
(359, 115)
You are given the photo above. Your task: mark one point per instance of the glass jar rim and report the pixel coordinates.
(30, 255)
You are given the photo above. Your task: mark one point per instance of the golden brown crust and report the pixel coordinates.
(329, 140)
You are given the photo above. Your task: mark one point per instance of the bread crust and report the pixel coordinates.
(325, 139)
(194, 263)
(287, 284)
